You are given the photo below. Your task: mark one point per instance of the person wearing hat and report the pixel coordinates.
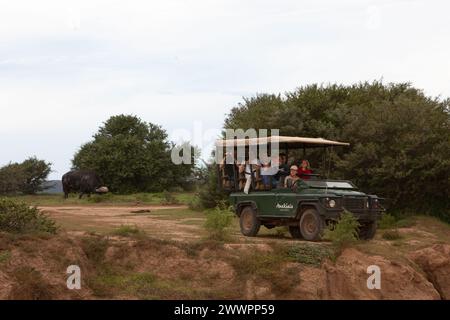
(292, 179)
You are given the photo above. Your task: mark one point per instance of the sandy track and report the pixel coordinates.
(153, 219)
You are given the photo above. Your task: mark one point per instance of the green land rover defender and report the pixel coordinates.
(307, 207)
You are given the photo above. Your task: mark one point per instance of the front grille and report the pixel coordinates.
(351, 203)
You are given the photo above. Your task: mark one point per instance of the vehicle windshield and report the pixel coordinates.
(329, 184)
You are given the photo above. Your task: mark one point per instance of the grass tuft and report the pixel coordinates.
(391, 235)
(309, 254)
(128, 231)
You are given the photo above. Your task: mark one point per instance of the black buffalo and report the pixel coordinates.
(82, 181)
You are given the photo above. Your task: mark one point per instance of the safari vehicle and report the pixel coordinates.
(308, 207)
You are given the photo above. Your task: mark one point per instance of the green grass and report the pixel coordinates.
(310, 254)
(128, 231)
(144, 285)
(391, 222)
(161, 198)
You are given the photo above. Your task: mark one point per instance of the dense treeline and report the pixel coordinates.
(27, 177)
(131, 155)
(400, 138)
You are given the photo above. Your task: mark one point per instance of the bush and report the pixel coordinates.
(218, 222)
(18, 217)
(95, 248)
(30, 285)
(195, 204)
(387, 221)
(398, 221)
(169, 198)
(344, 232)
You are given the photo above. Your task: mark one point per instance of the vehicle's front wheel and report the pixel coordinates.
(295, 232)
(311, 225)
(249, 222)
(367, 230)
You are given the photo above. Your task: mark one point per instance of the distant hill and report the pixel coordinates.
(54, 186)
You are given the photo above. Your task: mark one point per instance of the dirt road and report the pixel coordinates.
(170, 222)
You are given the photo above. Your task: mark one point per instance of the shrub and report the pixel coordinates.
(195, 204)
(169, 198)
(30, 285)
(391, 235)
(344, 232)
(387, 221)
(95, 248)
(18, 217)
(218, 222)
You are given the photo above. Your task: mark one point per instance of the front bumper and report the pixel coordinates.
(362, 215)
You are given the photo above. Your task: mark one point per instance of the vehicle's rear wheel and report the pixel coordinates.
(295, 232)
(249, 222)
(367, 230)
(311, 225)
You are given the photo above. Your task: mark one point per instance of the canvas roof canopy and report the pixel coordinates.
(284, 142)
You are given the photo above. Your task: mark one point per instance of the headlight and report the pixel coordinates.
(332, 203)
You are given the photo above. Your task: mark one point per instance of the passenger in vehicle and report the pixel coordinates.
(283, 170)
(227, 172)
(269, 172)
(266, 175)
(305, 170)
(292, 179)
(247, 170)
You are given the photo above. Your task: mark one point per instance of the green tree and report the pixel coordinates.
(27, 177)
(36, 173)
(11, 178)
(132, 156)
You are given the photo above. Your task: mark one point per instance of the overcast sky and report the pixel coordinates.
(67, 66)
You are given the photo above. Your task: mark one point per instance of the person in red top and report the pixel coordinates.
(305, 170)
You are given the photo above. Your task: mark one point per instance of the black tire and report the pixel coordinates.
(311, 225)
(295, 232)
(367, 230)
(249, 222)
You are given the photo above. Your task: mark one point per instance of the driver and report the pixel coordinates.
(291, 180)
